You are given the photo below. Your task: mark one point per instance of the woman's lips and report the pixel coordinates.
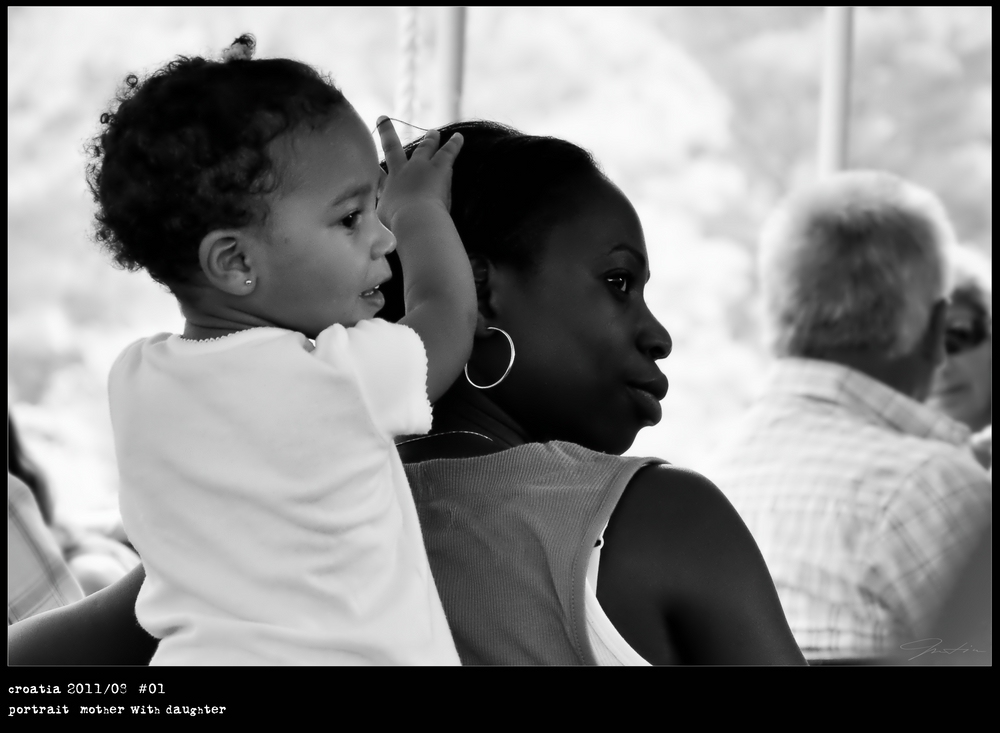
(647, 397)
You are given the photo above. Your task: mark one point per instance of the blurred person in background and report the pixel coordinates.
(963, 385)
(21, 465)
(38, 578)
(865, 503)
(94, 560)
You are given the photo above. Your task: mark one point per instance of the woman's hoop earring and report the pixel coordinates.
(509, 364)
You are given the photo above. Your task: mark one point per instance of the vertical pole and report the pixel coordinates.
(836, 91)
(451, 42)
(406, 78)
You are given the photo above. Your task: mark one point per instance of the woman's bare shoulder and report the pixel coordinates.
(676, 549)
(674, 517)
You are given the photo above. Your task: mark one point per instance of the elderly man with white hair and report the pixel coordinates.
(864, 502)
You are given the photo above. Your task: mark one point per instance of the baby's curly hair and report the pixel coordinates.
(184, 152)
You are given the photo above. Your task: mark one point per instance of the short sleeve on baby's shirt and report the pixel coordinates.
(389, 363)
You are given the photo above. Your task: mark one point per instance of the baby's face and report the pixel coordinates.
(324, 254)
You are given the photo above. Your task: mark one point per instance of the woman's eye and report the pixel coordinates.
(622, 282)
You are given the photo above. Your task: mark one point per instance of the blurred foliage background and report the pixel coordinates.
(704, 116)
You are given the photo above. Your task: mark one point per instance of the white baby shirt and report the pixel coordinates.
(261, 486)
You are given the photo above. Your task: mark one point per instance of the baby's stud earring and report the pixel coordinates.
(248, 282)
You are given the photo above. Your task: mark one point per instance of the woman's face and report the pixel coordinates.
(586, 344)
(963, 384)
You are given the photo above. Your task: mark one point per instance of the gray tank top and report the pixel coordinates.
(509, 536)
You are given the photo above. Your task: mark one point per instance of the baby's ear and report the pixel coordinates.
(225, 262)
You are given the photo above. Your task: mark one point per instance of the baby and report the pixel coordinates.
(259, 479)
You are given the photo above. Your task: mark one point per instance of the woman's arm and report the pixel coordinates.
(681, 575)
(100, 629)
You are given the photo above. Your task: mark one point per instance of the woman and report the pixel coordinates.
(963, 385)
(520, 477)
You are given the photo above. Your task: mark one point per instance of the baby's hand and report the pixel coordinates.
(424, 179)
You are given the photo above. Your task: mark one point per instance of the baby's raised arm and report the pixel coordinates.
(439, 291)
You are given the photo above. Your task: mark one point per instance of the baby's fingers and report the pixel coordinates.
(427, 145)
(395, 158)
(449, 151)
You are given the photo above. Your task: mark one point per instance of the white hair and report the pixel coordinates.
(854, 262)
(971, 277)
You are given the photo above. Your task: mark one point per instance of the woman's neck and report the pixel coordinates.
(469, 409)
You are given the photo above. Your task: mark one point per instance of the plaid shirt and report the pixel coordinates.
(864, 503)
(37, 576)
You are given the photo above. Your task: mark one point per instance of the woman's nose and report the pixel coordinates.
(654, 339)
